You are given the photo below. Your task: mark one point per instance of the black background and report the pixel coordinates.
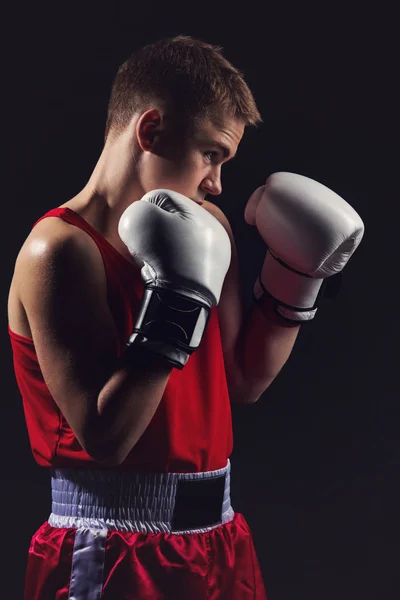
(315, 462)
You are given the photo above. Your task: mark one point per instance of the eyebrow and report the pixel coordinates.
(224, 150)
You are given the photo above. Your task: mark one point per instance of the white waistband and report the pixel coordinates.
(141, 502)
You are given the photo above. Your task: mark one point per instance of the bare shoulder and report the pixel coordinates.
(218, 214)
(221, 217)
(212, 208)
(50, 236)
(50, 246)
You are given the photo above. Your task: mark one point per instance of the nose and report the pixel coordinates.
(212, 184)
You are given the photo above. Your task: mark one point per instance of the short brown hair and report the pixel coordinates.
(188, 77)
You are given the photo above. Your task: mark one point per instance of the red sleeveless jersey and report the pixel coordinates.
(191, 430)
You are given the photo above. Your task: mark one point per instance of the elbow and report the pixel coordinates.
(238, 398)
(107, 460)
(248, 392)
(103, 446)
(107, 454)
(246, 389)
(244, 399)
(241, 395)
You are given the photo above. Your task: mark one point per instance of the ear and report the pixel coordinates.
(148, 129)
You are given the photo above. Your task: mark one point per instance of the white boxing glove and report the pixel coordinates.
(311, 233)
(184, 253)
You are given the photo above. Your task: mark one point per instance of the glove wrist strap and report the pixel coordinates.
(295, 294)
(170, 324)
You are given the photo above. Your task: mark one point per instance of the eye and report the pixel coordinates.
(210, 155)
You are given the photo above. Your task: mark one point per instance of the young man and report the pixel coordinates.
(130, 340)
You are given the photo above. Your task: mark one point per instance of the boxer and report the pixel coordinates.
(130, 339)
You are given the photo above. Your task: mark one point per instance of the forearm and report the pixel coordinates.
(266, 343)
(127, 403)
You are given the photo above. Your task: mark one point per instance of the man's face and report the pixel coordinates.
(193, 167)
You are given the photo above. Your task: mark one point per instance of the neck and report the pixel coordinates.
(112, 187)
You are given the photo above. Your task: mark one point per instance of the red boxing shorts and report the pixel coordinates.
(132, 536)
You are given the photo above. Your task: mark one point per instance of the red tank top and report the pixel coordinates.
(191, 430)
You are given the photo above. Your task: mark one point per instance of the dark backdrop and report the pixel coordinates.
(315, 462)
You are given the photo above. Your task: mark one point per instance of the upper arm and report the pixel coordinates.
(231, 310)
(63, 292)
